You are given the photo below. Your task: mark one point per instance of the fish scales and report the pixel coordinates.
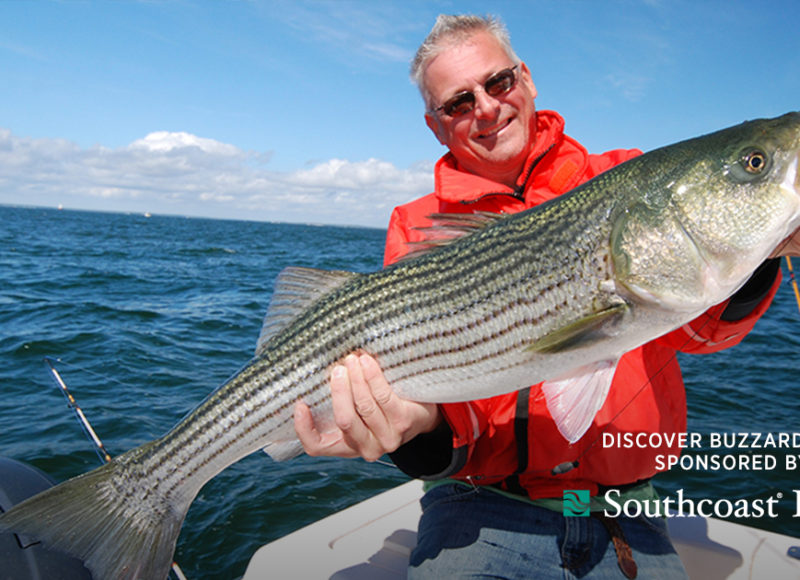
(447, 269)
(449, 274)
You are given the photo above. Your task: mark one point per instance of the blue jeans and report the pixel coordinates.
(476, 533)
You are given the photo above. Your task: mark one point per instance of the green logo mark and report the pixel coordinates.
(576, 502)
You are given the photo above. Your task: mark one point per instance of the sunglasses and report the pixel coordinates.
(497, 84)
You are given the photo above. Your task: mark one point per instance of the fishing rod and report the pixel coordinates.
(89, 430)
(73, 404)
(793, 281)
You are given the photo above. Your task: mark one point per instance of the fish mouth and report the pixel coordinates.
(791, 188)
(791, 180)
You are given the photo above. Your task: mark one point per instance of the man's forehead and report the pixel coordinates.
(468, 61)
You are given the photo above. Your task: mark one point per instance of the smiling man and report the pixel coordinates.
(495, 507)
(482, 78)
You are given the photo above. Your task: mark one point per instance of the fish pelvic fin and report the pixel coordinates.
(574, 399)
(118, 536)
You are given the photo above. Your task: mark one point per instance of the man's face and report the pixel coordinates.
(493, 139)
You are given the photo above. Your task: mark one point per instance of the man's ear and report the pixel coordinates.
(432, 121)
(527, 79)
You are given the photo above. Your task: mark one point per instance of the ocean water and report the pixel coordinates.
(146, 316)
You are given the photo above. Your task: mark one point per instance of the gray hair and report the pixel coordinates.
(450, 30)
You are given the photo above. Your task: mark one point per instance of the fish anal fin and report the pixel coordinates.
(582, 332)
(296, 288)
(283, 450)
(575, 398)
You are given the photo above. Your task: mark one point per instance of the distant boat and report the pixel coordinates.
(147, 214)
(60, 206)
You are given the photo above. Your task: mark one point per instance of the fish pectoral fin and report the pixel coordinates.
(574, 399)
(582, 332)
(283, 450)
(296, 288)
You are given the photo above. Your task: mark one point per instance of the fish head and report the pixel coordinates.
(714, 209)
(739, 204)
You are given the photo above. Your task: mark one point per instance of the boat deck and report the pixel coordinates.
(373, 539)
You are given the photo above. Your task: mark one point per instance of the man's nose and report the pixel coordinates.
(486, 106)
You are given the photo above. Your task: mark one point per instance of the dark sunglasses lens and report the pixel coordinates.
(463, 103)
(500, 83)
(459, 105)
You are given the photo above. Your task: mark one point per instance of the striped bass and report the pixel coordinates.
(556, 293)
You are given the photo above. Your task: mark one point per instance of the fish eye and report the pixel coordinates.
(754, 161)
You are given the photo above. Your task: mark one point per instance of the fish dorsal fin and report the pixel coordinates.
(296, 288)
(446, 228)
(575, 398)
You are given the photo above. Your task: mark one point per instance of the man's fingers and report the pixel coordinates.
(369, 432)
(370, 418)
(382, 392)
(343, 398)
(363, 397)
(315, 443)
(379, 407)
(304, 428)
(401, 419)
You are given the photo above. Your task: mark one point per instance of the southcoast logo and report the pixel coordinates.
(681, 506)
(576, 502)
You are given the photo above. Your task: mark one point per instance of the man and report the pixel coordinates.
(500, 512)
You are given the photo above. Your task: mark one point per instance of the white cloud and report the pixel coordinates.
(362, 175)
(168, 141)
(181, 173)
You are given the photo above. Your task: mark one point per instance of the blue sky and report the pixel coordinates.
(303, 111)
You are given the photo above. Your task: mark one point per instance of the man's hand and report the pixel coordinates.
(370, 418)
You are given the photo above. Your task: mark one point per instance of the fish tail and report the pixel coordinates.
(118, 534)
